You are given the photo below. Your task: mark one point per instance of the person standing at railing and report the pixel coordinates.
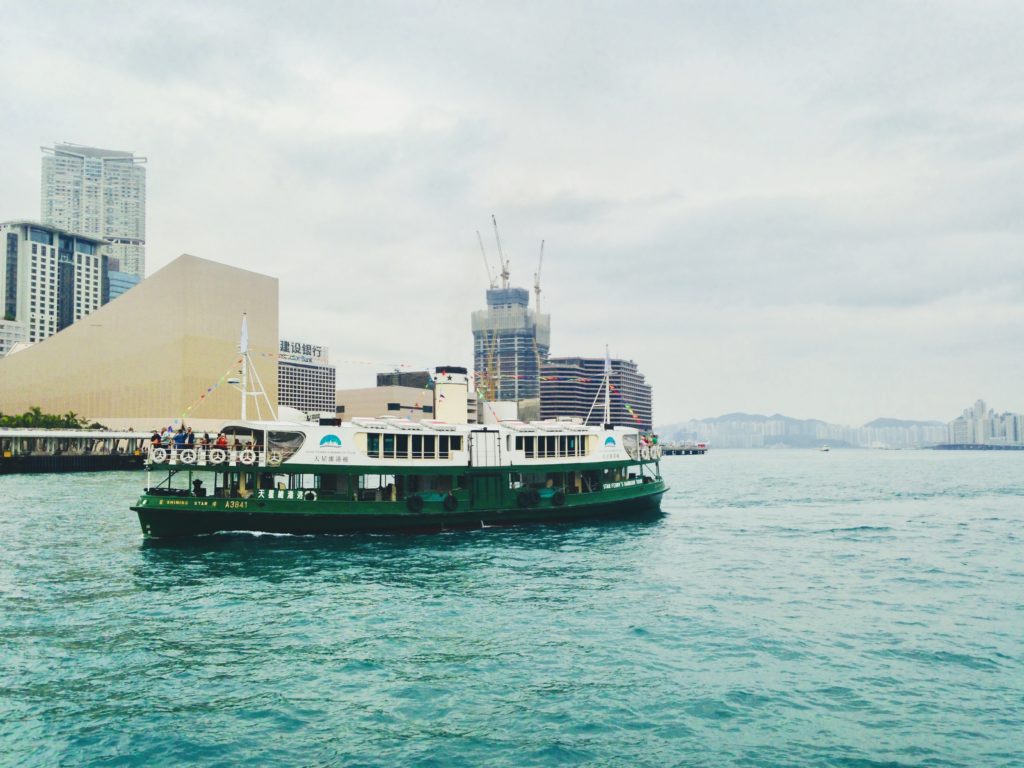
(190, 438)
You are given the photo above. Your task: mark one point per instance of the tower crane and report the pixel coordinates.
(505, 273)
(487, 264)
(536, 276)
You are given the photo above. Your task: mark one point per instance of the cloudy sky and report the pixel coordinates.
(799, 207)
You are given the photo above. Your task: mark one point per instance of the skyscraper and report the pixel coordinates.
(510, 342)
(49, 278)
(100, 193)
(305, 378)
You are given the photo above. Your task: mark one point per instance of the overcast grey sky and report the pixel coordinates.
(812, 208)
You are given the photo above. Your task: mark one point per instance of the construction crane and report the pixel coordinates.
(536, 276)
(505, 273)
(487, 264)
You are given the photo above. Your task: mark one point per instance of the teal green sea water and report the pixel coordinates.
(851, 608)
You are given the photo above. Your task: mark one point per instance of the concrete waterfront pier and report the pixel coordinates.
(24, 451)
(684, 449)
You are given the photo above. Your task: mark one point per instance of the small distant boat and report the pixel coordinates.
(824, 448)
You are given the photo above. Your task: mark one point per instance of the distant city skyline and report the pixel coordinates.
(771, 209)
(977, 425)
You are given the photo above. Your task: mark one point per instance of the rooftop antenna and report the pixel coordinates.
(536, 275)
(505, 274)
(487, 264)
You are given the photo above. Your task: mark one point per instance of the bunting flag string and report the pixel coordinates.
(208, 391)
(627, 406)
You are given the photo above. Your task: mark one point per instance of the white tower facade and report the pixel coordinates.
(451, 394)
(99, 193)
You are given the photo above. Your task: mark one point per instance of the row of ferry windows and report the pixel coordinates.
(398, 446)
(551, 446)
(421, 446)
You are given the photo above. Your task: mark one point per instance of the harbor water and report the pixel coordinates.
(849, 608)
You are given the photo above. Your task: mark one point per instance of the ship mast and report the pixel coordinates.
(247, 369)
(607, 387)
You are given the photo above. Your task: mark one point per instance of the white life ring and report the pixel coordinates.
(645, 454)
(188, 456)
(310, 496)
(274, 458)
(159, 455)
(218, 456)
(655, 451)
(247, 456)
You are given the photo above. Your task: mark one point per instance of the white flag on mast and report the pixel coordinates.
(243, 344)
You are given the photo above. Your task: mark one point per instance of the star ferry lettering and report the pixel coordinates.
(286, 495)
(319, 459)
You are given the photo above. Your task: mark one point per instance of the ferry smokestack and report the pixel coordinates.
(451, 394)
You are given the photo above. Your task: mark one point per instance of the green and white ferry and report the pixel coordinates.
(395, 474)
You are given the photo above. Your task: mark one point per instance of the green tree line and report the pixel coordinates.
(34, 418)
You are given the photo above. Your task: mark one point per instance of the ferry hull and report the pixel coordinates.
(175, 519)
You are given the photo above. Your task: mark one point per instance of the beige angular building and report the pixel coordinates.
(160, 353)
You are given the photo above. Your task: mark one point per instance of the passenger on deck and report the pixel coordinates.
(222, 440)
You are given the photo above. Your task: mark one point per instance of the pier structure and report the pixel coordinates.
(684, 449)
(24, 451)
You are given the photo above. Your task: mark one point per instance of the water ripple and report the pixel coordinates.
(854, 608)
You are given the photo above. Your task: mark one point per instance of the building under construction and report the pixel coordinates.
(510, 343)
(510, 340)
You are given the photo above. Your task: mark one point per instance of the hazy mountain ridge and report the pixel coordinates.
(753, 430)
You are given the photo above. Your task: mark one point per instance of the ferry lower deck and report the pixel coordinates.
(307, 500)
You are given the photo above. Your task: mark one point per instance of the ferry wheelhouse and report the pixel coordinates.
(392, 474)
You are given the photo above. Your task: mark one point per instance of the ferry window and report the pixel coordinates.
(402, 446)
(519, 442)
(528, 443)
(429, 446)
(563, 445)
(394, 406)
(376, 487)
(286, 443)
(456, 443)
(442, 446)
(389, 446)
(417, 446)
(571, 446)
(550, 445)
(373, 446)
